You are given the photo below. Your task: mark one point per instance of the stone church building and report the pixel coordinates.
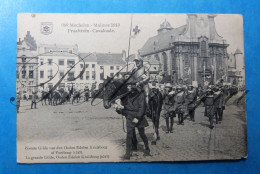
(194, 52)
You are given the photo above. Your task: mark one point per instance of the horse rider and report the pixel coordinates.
(190, 99)
(168, 96)
(141, 75)
(134, 111)
(179, 101)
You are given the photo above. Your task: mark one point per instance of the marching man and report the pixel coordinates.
(168, 111)
(191, 97)
(179, 101)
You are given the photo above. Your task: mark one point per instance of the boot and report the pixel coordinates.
(167, 125)
(134, 148)
(171, 127)
(179, 119)
(147, 152)
(127, 156)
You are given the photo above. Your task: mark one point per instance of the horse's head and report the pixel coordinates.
(112, 88)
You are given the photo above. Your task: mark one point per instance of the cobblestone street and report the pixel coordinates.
(191, 141)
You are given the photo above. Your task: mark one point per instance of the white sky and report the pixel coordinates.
(230, 27)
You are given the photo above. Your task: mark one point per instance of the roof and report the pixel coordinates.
(30, 41)
(21, 53)
(59, 53)
(238, 51)
(110, 59)
(165, 25)
(88, 57)
(162, 40)
(131, 58)
(167, 36)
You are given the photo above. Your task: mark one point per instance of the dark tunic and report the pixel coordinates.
(135, 107)
(190, 99)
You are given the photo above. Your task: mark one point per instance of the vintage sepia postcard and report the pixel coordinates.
(130, 88)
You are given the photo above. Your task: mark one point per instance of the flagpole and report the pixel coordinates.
(129, 42)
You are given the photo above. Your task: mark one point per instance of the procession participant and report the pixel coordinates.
(219, 102)
(210, 107)
(191, 96)
(161, 77)
(168, 111)
(222, 103)
(86, 90)
(134, 111)
(182, 84)
(179, 101)
(141, 75)
(34, 98)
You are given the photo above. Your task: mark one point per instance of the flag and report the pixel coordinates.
(136, 31)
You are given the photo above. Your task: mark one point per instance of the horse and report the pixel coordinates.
(155, 105)
(65, 97)
(76, 96)
(115, 89)
(44, 97)
(56, 97)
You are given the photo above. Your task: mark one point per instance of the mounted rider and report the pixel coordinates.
(141, 76)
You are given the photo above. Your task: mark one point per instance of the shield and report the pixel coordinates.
(46, 28)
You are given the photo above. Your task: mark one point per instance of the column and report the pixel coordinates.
(181, 65)
(161, 61)
(215, 68)
(195, 64)
(178, 65)
(169, 62)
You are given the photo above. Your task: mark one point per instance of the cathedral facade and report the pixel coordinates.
(194, 52)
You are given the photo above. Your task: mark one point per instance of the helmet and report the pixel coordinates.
(178, 87)
(168, 85)
(138, 58)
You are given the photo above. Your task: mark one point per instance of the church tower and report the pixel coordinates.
(164, 27)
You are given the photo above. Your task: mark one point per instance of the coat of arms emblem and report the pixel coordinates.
(46, 28)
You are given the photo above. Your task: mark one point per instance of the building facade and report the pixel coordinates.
(65, 64)
(99, 66)
(236, 68)
(193, 52)
(27, 65)
(54, 62)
